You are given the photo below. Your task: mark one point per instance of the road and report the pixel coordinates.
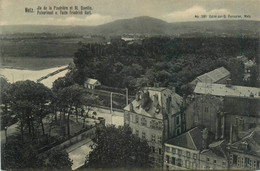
(116, 118)
(78, 153)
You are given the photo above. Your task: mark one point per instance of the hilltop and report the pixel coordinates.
(145, 25)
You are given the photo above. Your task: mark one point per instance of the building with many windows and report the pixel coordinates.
(155, 115)
(193, 151)
(245, 149)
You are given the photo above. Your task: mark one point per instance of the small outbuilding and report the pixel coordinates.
(91, 83)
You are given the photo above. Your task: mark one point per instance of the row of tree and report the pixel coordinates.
(30, 104)
(170, 62)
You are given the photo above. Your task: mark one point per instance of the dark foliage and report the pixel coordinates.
(118, 148)
(170, 62)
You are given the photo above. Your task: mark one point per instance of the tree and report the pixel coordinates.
(29, 103)
(69, 99)
(56, 159)
(17, 155)
(6, 118)
(118, 148)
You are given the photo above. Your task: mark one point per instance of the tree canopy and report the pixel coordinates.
(118, 148)
(168, 61)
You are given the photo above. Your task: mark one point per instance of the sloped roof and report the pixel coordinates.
(190, 140)
(92, 81)
(152, 106)
(215, 75)
(217, 149)
(252, 140)
(223, 90)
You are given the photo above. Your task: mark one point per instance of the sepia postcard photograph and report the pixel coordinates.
(130, 84)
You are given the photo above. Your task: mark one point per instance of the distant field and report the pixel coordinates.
(39, 47)
(32, 63)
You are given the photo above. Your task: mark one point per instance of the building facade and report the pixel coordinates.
(193, 151)
(155, 115)
(244, 149)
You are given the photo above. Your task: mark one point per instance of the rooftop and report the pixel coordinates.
(91, 81)
(151, 101)
(190, 140)
(214, 76)
(250, 143)
(223, 90)
(216, 149)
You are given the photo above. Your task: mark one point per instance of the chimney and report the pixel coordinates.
(145, 99)
(137, 96)
(131, 107)
(233, 133)
(228, 82)
(205, 138)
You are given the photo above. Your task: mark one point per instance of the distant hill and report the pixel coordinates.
(146, 25)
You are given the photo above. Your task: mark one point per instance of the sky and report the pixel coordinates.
(12, 12)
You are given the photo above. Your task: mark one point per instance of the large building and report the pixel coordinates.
(155, 115)
(194, 150)
(217, 106)
(244, 148)
(219, 75)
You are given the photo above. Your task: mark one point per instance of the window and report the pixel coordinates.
(173, 150)
(179, 152)
(188, 164)
(195, 156)
(153, 138)
(224, 164)
(137, 133)
(159, 139)
(173, 161)
(143, 135)
(167, 159)
(207, 159)
(160, 125)
(194, 165)
(179, 161)
(160, 151)
(153, 149)
(247, 161)
(215, 161)
(206, 109)
(152, 124)
(234, 159)
(156, 125)
(136, 119)
(167, 149)
(143, 121)
(177, 120)
(258, 165)
(188, 154)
